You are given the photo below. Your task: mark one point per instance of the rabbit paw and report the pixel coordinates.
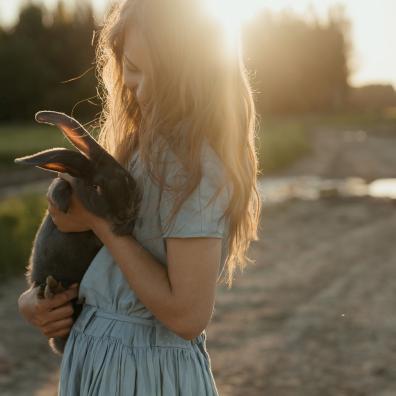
(52, 287)
(60, 192)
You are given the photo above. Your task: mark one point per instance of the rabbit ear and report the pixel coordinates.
(59, 160)
(73, 130)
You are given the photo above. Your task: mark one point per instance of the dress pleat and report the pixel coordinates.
(112, 354)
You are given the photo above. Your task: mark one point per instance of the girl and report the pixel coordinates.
(178, 112)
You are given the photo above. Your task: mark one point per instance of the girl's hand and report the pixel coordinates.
(77, 218)
(52, 316)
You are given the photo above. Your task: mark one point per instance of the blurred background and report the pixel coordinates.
(314, 315)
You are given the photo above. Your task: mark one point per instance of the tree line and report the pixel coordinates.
(47, 61)
(41, 58)
(299, 65)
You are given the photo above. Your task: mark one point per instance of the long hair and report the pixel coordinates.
(197, 92)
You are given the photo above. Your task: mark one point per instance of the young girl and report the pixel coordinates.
(178, 113)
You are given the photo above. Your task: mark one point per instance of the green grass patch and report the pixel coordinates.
(19, 220)
(284, 139)
(18, 140)
(280, 142)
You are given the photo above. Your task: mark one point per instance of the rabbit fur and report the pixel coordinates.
(104, 187)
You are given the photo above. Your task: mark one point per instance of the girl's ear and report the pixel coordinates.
(73, 130)
(60, 160)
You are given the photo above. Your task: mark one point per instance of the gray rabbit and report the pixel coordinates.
(104, 187)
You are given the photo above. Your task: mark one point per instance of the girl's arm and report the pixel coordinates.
(182, 296)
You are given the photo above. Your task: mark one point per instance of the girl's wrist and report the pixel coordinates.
(100, 226)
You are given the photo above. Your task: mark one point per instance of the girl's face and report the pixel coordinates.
(135, 66)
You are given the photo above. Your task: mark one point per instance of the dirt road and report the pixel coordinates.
(315, 316)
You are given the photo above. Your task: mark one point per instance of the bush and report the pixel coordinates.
(19, 220)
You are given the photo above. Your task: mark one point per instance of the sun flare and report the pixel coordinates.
(231, 14)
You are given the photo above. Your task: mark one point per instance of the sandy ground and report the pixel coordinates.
(315, 314)
(26, 363)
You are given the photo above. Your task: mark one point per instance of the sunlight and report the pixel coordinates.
(383, 188)
(232, 13)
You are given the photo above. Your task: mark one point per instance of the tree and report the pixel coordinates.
(41, 63)
(298, 66)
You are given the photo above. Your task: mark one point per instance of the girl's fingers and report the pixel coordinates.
(54, 327)
(60, 299)
(51, 205)
(27, 303)
(59, 313)
(53, 210)
(45, 313)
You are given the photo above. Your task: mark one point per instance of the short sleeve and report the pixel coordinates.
(200, 214)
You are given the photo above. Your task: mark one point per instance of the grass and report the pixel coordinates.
(284, 139)
(339, 120)
(18, 140)
(19, 220)
(281, 142)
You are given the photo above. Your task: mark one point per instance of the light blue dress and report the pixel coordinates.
(116, 346)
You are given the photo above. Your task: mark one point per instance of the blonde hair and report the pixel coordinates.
(200, 92)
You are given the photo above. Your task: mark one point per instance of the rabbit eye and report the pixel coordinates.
(97, 188)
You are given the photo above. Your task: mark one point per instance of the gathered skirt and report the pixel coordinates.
(108, 353)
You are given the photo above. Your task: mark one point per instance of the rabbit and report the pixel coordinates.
(104, 187)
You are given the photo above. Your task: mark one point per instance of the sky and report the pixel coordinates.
(373, 29)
